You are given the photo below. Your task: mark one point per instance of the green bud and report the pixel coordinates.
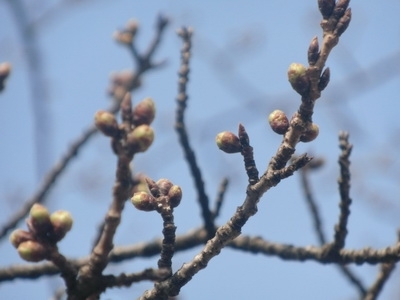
(175, 195)
(297, 75)
(228, 142)
(278, 121)
(144, 112)
(32, 251)
(106, 123)
(62, 223)
(140, 138)
(310, 134)
(144, 201)
(39, 219)
(19, 236)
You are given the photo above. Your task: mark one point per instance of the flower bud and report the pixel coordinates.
(228, 142)
(5, 69)
(39, 219)
(326, 7)
(164, 186)
(153, 187)
(140, 184)
(297, 75)
(140, 138)
(132, 26)
(340, 8)
(324, 79)
(144, 112)
(32, 251)
(106, 123)
(123, 37)
(126, 108)
(278, 121)
(144, 201)
(175, 195)
(310, 134)
(125, 79)
(19, 236)
(62, 223)
(313, 52)
(343, 22)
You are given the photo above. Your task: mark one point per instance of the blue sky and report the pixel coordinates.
(241, 52)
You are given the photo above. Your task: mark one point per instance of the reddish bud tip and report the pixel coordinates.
(123, 37)
(164, 186)
(228, 142)
(144, 112)
(5, 69)
(132, 26)
(278, 121)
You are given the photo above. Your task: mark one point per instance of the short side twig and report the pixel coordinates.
(220, 197)
(344, 189)
(248, 156)
(315, 214)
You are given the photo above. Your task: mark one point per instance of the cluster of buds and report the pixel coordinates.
(228, 142)
(159, 195)
(44, 229)
(298, 78)
(278, 121)
(126, 35)
(5, 69)
(134, 134)
(336, 15)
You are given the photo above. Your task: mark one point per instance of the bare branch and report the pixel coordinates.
(180, 127)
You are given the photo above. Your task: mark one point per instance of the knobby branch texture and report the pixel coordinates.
(132, 133)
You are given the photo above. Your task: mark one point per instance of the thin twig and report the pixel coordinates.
(186, 34)
(383, 275)
(312, 205)
(248, 156)
(315, 214)
(344, 189)
(220, 197)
